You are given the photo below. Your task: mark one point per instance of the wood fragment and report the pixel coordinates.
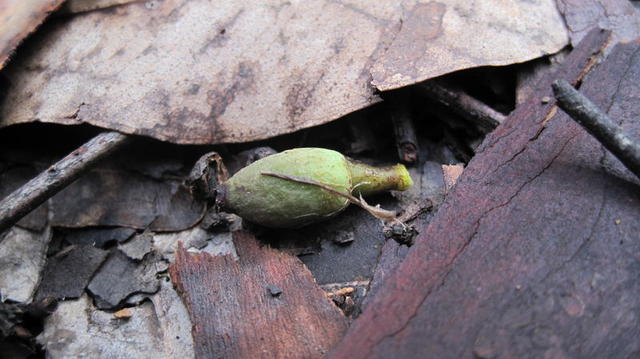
(234, 315)
(55, 178)
(589, 116)
(470, 108)
(404, 131)
(124, 313)
(451, 173)
(524, 258)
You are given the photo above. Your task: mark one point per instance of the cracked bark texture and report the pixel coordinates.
(534, 252)
(265, 304)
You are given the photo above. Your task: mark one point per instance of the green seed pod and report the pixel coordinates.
(281, 203)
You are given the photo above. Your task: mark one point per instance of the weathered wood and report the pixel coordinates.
(469, 108)
(403, 129)
(51, 181)
(534, 252)
(266, 304)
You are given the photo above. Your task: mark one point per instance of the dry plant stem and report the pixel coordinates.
(598, 124)
(405, 132)
(55, 178)
(383, 214)
(470, 108)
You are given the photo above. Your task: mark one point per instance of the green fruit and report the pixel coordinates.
(281, 203)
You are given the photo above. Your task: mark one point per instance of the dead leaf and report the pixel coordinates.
(199, 72)
(77, 322)
(438, 38)
(18, 18)
(105, 197)
(451, 173)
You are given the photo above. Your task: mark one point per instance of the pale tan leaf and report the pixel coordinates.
(18, 18)
(211, 72)
(441, 37)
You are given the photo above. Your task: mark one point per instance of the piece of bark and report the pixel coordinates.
(531, 254)
(97, 237)
(161, 69)
(22, 257)
(119, 277)
(404, 130)
(138, 246)
(235, 316)
(18, 18)
(78, 330)
(174, 320)
(67, 274)
(106, 197)
(465, 106)
(618, 16)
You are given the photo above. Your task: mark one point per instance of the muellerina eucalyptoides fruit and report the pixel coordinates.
(257, 195)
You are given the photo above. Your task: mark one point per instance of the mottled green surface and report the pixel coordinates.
(276, 202)
(282, 203)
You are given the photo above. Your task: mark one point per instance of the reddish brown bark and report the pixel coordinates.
(266, 304)
(534, 253)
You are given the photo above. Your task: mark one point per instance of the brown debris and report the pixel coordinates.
(469, 108)
(524, 259)
(235, 316)
(123, 314)
(451, 174)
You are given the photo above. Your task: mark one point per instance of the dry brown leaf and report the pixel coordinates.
(451, 173)
(438, 38)
(206, 72)
(18, 18)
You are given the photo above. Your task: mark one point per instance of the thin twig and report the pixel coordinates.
(470, 108)
(404, 130)
(596, 122)
(377, 212)
(52, 180)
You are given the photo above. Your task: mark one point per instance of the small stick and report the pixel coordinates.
(55, 178)
(464, 105)
(404, 131)
(598, 124)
